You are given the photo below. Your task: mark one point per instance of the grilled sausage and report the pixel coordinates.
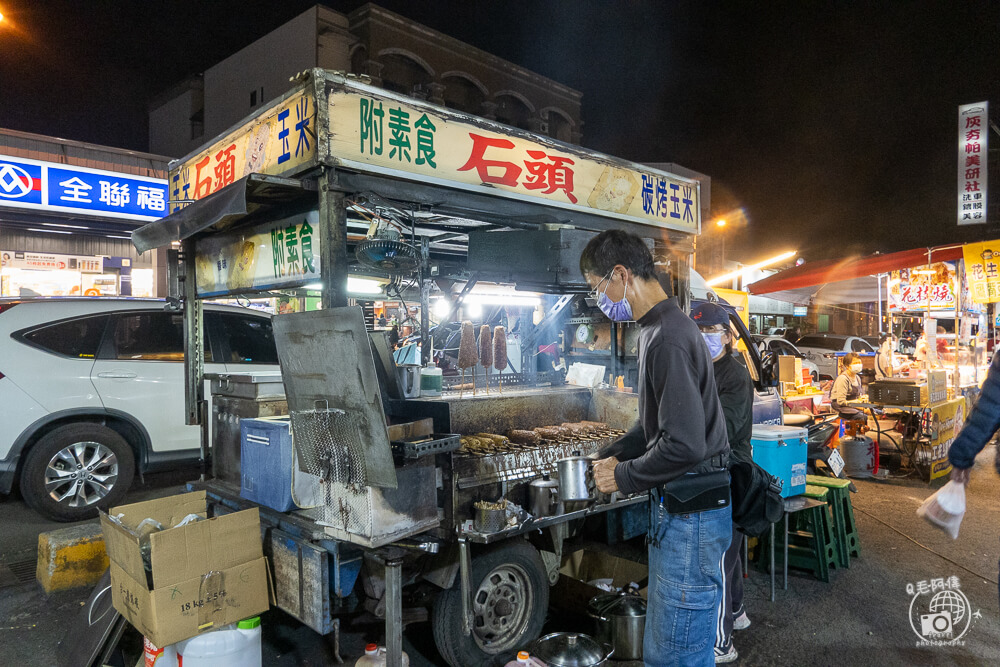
(485, 347)
(499, 348)
(467, 354)
(524, 437)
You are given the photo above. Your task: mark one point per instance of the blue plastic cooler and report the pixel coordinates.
(781, 450)
(266, 466)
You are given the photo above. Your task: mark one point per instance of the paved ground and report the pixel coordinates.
(860, 618)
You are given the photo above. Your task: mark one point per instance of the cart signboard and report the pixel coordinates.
(982, 270)
(911, 289)
(374, 131)
(945, 422)
(278, 141)
(274, 254)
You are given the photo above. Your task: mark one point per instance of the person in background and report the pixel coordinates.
(680, 441)
(888, 364)
(847, 387)
(979, 428)
(394, 335)
(736, 396)
(793, 334)
(381, 320)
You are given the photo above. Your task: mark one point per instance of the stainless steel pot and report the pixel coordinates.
(409, 380)
(574, 478)
(571, 649)
(620, 620)
(543, 497)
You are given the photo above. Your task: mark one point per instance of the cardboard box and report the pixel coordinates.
(205, 574)
(572, 592)
(789, 369)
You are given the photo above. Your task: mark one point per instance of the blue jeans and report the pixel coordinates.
(685, 586)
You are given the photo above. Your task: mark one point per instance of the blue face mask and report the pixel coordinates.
(714, 342)
(617, 311)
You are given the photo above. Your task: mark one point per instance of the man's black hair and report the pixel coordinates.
(613, 247)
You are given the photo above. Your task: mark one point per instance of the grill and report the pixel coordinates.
(327, 444)
(513, 462)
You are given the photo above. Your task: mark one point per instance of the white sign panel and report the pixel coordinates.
(47, 261)
(973, 129)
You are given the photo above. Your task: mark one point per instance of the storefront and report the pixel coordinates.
(65, 228)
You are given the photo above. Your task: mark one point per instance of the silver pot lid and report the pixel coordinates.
(544, 482)
(570, 649)
(617, 604)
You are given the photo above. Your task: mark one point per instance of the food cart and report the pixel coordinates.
(339, 179)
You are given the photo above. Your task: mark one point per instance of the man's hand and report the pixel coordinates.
(961, 475)
(604, 475)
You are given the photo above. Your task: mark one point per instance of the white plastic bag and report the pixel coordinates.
(945, 508)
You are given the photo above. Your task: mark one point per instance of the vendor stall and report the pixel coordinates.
(936, 305)
(338, 179)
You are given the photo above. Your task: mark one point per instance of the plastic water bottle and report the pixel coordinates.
(158, 657)
(375, 656)
(431, 380)
(230, 646)
(523, 658)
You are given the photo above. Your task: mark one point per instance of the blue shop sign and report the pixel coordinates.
(48, 186)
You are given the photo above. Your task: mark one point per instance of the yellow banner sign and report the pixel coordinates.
(378, 133)
(982, 270)
(276, 142)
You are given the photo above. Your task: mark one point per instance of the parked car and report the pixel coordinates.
(93, 391)
(780, 346)
(822, 349)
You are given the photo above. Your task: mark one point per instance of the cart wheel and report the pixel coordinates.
(509, 601)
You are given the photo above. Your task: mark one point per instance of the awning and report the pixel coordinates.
(848, 280)
(221, 209)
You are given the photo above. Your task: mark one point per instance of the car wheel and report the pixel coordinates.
(76, 469)
(509, 600)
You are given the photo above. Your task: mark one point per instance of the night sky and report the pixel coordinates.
(832, 125)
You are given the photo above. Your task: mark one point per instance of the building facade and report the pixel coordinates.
(67, 210)
(394, 52)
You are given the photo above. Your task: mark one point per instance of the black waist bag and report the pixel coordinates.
(697, 493)
(757, 501)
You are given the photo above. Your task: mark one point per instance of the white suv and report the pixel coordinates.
(93, 390)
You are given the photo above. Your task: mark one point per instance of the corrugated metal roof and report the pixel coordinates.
(15, 143)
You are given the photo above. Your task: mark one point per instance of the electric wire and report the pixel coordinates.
(926, 548)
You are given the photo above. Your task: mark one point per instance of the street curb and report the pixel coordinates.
(71, 558)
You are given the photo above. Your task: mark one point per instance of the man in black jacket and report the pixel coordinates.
(681, 456)
(736, 395)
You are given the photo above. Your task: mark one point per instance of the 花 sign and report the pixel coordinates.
(275, 254)
(973, 129)
(276, 142)
(48, 186)
(374, 132)
(913, 289)
(982, 270)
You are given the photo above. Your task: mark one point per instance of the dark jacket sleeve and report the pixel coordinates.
(680, 443)
(983, 421)
(736, 395)
(632, 445)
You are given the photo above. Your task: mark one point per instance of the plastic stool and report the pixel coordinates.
(844, 525)
(842, 558)
(811, 546)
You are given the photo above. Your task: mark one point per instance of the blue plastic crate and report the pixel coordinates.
(781, 450)
(266, 467)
